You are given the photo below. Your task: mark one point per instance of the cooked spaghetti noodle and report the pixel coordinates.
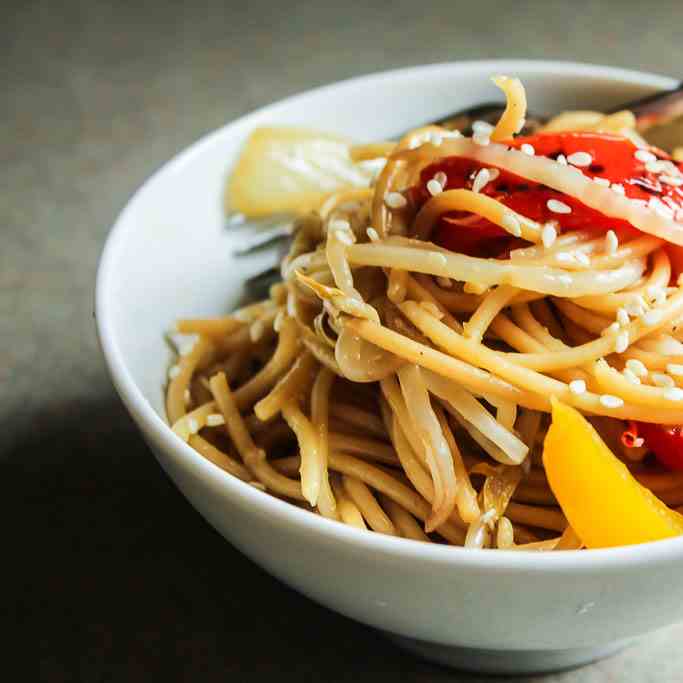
(399, 380)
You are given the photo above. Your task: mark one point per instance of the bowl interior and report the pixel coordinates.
(170, 253)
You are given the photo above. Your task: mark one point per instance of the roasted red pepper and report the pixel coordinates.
(612, 158)
(665, 441)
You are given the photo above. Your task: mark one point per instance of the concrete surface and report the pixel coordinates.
(108, 575)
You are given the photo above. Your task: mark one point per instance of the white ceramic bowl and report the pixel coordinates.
(169, 255)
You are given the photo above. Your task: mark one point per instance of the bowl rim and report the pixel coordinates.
(148, 420)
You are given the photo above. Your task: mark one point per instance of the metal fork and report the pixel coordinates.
(653, 115)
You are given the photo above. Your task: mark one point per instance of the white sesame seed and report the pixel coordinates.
(611, 242)
(444, 282)
(548, 235)
(610, 401)
(583, 259)
(637, 367)
(441, 178)
(617, 188)
(434, 187)
(638, 442)
(622, 342)
(173, 372)
(481, 139)
(601, 181)
(630, 376)
(343, 236)
(577, 386)
(622, 317)
(482, 127)
(660, 379)
(480, 180)
(395, 200)
(372, 234)
(580, 159)
(676, 181)
(675, 369)
(511, 224)
(215, 420)
(493, 173)
(562, 159)
(651, 317)
(528, 149)
(556, 206)
(674, 394)
(644, 156)
(192, 425)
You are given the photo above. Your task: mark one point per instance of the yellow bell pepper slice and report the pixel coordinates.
(292, 170)
(602, 501)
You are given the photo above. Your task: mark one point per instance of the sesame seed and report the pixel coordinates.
(482, 127)
(481, 139)
(528, 149)
(493, 173)
(622, 317)
(577, 386)
(617, 188)
(622, 342)
(511, 224)
(434, 187)
(193, 425)
(660, 379)
(480, 180)
(611, 242)
(562, 159)
(610, 401)
(583, 259)
(444, 282)
(652, 317)
(441, 178)
(395, 200)
(548, 235)
(601, 181)
(638, 442)
(644, 156)
(674, 394)
(372, 234)
(343, 236)
(557, 206)
(675, 369)
(630, 376)
(173, 372)
(215, 420)
(580, 159)
(637, 367)
(671, 180)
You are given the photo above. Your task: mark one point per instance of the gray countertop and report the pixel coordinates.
(108, 575)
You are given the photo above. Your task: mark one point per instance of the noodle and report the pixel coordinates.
(402, 385)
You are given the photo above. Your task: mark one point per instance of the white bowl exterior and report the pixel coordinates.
(169, 256)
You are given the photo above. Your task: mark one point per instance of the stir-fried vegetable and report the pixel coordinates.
(602, 501)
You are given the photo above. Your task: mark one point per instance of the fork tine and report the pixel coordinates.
(264, 238)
